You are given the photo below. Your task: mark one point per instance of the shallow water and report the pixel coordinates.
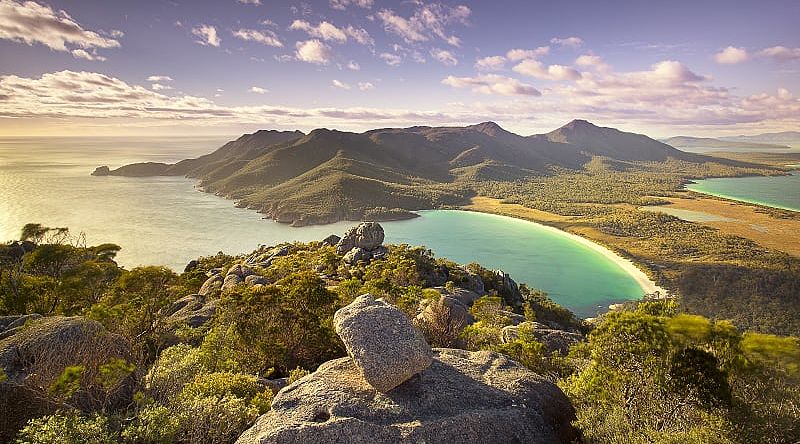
(165, 220)
(774, 191)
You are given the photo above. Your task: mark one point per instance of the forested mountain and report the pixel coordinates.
(330, 175)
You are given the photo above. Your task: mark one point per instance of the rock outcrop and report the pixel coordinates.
(366, 235)
(384, 345)
(465, 397)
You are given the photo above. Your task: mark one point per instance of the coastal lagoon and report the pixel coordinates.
(167, 221)
(773, 191)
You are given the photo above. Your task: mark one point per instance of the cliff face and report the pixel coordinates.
(385, 174)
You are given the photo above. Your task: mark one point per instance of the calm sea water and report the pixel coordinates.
(167, 221)
(774, 191)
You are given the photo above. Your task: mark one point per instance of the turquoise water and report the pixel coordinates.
(167, 221)
(774, 191)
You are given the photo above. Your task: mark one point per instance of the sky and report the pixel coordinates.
(181, 67)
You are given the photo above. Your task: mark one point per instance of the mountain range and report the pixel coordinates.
(327, 175)
(704, 144)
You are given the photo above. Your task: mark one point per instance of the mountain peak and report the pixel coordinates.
(579, 124)
(489, 128)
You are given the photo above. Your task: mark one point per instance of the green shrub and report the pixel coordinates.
(67, 428)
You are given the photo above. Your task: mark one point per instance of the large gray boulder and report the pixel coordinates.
(383, 343)
(356, 255)
(211, 285)
(463, 397)
(366, 235)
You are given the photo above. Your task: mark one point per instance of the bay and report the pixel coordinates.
(166, 221)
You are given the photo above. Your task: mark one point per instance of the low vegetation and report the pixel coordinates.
(648, 373)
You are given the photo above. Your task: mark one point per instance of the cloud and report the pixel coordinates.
(391, 59)
(160, 87)
(353, 66)
(365, 86)
(781, 53)
(535, 68)
(343, 4)
(649, 97)
(731, 56)
(157, 78)
(207, 34)
(491, 63)
(570, 42)
(516, 55)
(31, 23)
(492, 84)
(428, 21)
(330, 32)
(313, 51)
(249, 2)
(83, 54)
(265, 37)
(445, 57)
(340, 84)
(592, 61)
(258, 90)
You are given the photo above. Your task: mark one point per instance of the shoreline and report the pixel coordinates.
(687, 187)
(648, 286)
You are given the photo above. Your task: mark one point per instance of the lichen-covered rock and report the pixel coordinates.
(509, 289)
(473, 282)
(463, 295)
(446, 313)
(231, 281)
(34, 357)
(255, 279)
(331, 240)
(464, 397)
(356, 255)
(240, 270)
(9, 325)
(212, 284)
(366, 235)
(383, 343)
(193, 310)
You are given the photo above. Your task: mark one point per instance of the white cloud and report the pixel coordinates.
(249, 2)
(353, 65)
(313, 51)
(91, 56)
(330, 32)
(731, 56)
(427, 22)
(492, 84)
(343, 4)
(340, 84)
(781, 53)
(665, 95)
(491, 63)
(160, 87)
(592, 61)
(391, 59)
(445, 57)
(365, 86)
(158, 78)
(265, 37)
(571, 42)
(516, 55)
(207, 34)
(258, 90)
(30, 23)
(535, 68)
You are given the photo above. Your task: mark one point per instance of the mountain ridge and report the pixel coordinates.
(388, 173)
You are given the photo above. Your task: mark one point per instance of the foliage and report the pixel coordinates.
(67, 428)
